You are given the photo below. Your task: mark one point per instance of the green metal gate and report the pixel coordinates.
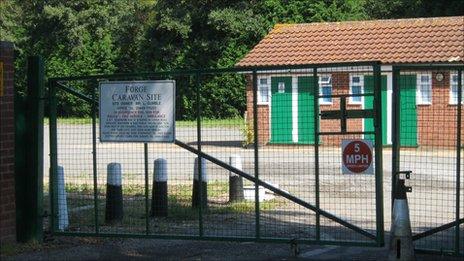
(293, 193)
(428, 141)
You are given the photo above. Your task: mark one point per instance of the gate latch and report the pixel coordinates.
(401, 176)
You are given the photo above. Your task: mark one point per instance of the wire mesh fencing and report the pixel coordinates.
(430, 144)
(273, 174)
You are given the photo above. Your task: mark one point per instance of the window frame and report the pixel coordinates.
(451, 100)
(260, 87)
(360, 84)
(325, 84)
(419, 83)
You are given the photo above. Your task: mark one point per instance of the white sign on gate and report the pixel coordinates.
(357, 157)
(137, 111)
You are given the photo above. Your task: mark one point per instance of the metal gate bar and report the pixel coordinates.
(458, 163)
(276, 190)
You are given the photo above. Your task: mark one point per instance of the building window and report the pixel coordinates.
(356, 87)
(263, 91)
(424, 89)
(454, 88)
(325, 89)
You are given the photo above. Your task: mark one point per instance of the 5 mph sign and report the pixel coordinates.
(357, 157)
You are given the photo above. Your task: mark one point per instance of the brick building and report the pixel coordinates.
(7, 179)
(286, 98)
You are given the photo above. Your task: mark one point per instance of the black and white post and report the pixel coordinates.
(114, 207)
(196, 201)
(63, 219)
(159, 201)
(235, 181)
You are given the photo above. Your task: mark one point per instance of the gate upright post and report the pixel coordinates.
(94, 156)
(200, 170)
(395, 130)
(458, 162)
(53, 156)
(256, 155)
(378, 155)
(29, 155)
(316, 150)
(147, 214)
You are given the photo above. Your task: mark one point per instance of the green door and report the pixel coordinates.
(408, 112)
(369, 104)
(281, 109)
(306, 110)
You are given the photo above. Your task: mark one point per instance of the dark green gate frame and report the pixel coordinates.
(376, 239)
(396, 146)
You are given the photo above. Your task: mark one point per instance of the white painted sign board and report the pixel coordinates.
(137, 111)
(357, 157)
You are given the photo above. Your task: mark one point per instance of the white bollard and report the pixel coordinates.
(196, 184)
(159, 202)
(114, 207)
(235, 181)
(63, 219)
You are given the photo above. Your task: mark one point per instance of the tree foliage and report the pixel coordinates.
(110, 36)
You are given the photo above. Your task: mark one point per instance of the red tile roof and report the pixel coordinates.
(420, 40)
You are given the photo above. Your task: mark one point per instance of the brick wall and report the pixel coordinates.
(7, 185)
(437, 123)
(263, 114)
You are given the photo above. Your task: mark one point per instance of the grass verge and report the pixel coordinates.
(180, 210)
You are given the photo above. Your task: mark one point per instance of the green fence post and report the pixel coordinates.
(256, 155)
(395, 129)
(29, 155)
(94, 155)
(378, 155)
(53, 156)
(316, 151)
(200, 171)
(458, 162)
(147, 214)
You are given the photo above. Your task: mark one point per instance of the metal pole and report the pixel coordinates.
(200, 170)
(316, 150)
(458, 163)
(53, 156)
(378, 155)
(256, 155)
(147, 214)
(94, 154)
(29, 113)
(395, 130)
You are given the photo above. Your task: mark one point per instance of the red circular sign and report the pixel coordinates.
(357, 156)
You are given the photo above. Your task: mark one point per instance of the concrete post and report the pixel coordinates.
(159, 202)
(196, 185)
(114, 207)
(63, 219)
(235, 181)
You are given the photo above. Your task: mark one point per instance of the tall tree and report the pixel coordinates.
(413, 8)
